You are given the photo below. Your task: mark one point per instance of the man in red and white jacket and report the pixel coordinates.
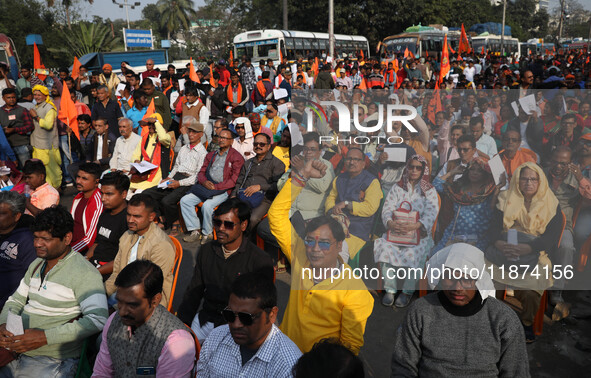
(87, 207)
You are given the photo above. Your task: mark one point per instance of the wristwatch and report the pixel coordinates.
(347, 203)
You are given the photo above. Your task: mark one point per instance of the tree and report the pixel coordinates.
(175, 14)
(86, 38)
(67, 4)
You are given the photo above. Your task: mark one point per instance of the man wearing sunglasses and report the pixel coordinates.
(512, 154)
(465, 314)
(466, 146)
(320, 305)
(218, 264)
(251, 333)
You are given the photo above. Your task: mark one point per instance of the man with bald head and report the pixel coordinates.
(568, 184)
(512, 154)
(150, 71)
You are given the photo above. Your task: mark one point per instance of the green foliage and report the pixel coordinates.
(85, 38)
(175, 15)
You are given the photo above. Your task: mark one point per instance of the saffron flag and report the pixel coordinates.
(362, 55)
(280, 56)
(76, 69)
(406, 53)
(37, 63)
(231, 63)
(445, 67)
(464, 43)
(411, 54)
(395, 65)
(450, 48)
(192, 74)
(68, 113)
(482, 50)
(151, 110)
(211, 72)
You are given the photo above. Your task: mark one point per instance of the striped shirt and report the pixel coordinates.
(220, 356)
(69, 304)
(189, 162)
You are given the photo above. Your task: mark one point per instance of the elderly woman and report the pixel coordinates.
(530, 208)
(45, 139)
(462, 329)
(414, 187)
(467, 204)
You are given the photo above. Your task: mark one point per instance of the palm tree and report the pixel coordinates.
(88, 37)
(67, 4)
(175, 13)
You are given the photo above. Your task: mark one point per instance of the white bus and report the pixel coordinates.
(492, 43)
(265, 44)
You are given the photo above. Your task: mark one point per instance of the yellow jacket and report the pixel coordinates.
(337, 309)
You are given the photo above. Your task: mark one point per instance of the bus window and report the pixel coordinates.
(248, 51)
(399, 45)
(268, 51)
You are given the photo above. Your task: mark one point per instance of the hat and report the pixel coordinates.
(106, 65)
(195, 126)
(256, 118)
(287, 71)
(570, 77)
(222, 62)
(157, 116)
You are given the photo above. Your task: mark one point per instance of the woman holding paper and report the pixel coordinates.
(467, 204)
(414, 188)
(530, 208)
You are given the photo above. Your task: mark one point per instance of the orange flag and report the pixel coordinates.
(192, 74)
(438, 105)
(68, 113)
(587, 62)
(445, 67)
(37, 63)
(280, 57)
(231, 59)
(427, 52)
(412, 55)
(362, 55)
(151, 110)
(406, 53)
(363, 85)
(460, 57)
(76, 69)
(450, 49)
(482, 50)
(395, 65)
(464, 43)
(211, 72)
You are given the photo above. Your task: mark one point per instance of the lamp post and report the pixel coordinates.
(503, 29)
(127, 5)
(331, 30)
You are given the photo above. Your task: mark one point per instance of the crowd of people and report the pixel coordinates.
(243, 163)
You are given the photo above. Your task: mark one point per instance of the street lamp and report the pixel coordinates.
(127, 6)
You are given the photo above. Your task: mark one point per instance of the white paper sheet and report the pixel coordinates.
(497, 169)
(182, 84)
(528, 104)
(14, 324)
(515, 108)
(512, 236)
(163, 184)
(279, 93)
(120, 89)
(144, 166)
(396, 154)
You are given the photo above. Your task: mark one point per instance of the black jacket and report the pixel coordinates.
(213, 277)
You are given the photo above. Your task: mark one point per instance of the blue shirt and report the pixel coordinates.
(136, 116)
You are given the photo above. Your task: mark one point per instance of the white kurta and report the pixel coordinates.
(427, 207)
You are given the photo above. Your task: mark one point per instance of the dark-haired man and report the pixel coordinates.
(143, 240)
(160, 101)
(218, 264)
(342, 307)
(111, 224)
(42, 194)
(142, 337)
(61, 298)
(250, 334)
(17, 125)
(87, 207)
(107, 109)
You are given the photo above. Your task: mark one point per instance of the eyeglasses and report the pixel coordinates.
(239, 127)
(464, 149)
(465, 283)
(259, 144)
(352, 159)
(323, 245)
(245, 318)
(217, 223)
(415, 168)
(529, 179)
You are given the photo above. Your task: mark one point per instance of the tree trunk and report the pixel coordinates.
(68, 17)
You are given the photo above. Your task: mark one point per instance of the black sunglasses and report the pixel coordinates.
(239, 127)
(259, 144)
(217, 223)
(245, 318)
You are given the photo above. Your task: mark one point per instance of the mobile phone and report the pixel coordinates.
(145, 370)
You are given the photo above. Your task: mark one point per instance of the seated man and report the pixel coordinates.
(218, 264)
(183, 175)
(142, 335)
(215, 180)
(87, 207)
(569, 186)
(512, 154)
(466, 146)
(16, 242)
(112, 223)
(61, 300)
(341, 308)
(482, 332)
(356, 193)
(124, 147)
(42, 194)
(143, 240)
(257, 182)
(484, 143)
(251, 333)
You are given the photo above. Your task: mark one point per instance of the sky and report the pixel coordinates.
(106, 8)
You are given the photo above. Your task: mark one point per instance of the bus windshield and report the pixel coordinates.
(267, 49)
(398, 45)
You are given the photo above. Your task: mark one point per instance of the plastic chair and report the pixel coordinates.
(197, 350)
(178, 258)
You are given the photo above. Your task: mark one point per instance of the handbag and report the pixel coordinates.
(256, 198)
(408, 215)
(201, 191)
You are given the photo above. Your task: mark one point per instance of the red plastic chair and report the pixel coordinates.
(178, 258)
